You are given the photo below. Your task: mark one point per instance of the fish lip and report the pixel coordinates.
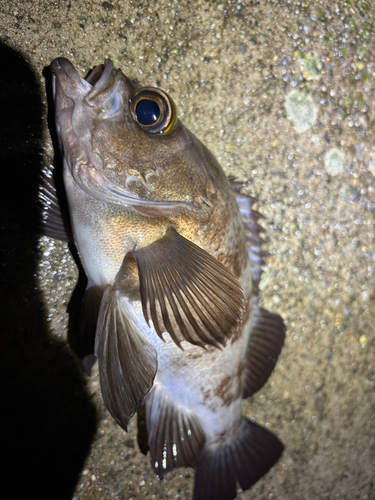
(54, 87)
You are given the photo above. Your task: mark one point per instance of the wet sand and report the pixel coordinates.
(309, 158)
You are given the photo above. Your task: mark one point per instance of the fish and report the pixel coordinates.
(172, 251)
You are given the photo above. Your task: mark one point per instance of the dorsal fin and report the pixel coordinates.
(267, 330)
(250, 219)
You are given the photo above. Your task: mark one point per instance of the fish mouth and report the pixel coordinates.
(96, 80)
(75, 100)
(73, 86)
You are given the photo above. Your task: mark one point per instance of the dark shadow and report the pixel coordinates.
(81, 341)
(48, 419)
(81, 344)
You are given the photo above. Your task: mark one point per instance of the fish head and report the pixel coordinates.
(125, 145)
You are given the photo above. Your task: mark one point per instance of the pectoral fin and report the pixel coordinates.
(187, 292)
(127, 360)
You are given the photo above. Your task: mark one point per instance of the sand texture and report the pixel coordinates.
(283, 94)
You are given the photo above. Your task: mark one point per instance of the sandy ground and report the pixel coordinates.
(231, 69)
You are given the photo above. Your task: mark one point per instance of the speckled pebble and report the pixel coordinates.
(334, 161)
(301, 110)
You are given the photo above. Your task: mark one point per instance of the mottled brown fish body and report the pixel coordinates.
(162, 241)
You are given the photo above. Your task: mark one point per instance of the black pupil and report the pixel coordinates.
(147, 112)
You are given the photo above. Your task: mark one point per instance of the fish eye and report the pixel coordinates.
(147, 112)
(153, 110)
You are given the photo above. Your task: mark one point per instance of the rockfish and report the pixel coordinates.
(172, 254)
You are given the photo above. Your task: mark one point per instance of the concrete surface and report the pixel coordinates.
(230, 67)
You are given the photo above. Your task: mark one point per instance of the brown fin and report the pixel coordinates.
(264, 346)
(142, 436)
(176, 438)
(88, 319)
(127, 360)
(252, 230)
(187, 292)
(244, 461)
(53, 223)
